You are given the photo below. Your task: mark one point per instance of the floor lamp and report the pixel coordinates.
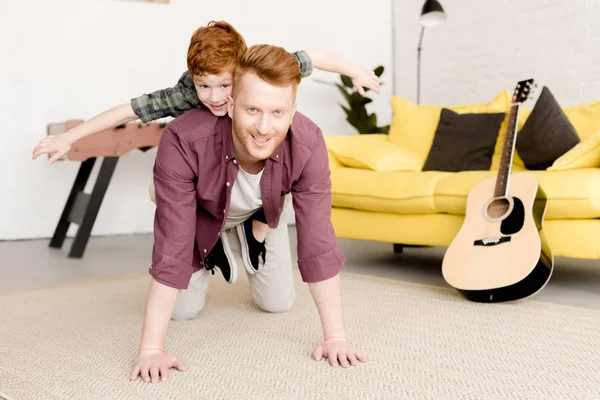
(432, 14)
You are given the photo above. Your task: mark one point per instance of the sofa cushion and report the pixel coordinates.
(395, 192)
(585, 118)
(463, 142)
(571, 194)
(546, 135)
(585, 155)
(413, 125)
(372, 151)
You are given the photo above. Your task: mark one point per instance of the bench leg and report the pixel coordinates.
(92, 207)
(398, 248)
(60, 233)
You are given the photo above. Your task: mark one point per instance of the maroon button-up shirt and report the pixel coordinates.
(194, 173)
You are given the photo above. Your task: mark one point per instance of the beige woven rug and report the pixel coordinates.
(77, 341)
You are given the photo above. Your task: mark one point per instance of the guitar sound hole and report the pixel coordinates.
(498, 208)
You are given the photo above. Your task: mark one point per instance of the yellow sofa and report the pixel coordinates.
(379, 192)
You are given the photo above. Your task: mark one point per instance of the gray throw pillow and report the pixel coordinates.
(464, 142)
(546, 135)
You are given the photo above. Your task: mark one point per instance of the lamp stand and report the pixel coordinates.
(419, 66)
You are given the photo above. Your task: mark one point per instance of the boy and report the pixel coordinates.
(212, 54)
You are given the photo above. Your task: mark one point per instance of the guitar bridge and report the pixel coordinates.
(491, 241)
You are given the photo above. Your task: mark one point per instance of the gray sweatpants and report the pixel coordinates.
(271, 287)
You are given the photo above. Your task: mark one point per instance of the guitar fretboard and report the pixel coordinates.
(507, 152)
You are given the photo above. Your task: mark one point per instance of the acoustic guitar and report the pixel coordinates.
(500, 252)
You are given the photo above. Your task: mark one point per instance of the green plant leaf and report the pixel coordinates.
(349, 113)
(378, 71)
(383, 129)
(321, 81)
(354, 122)
(347, 81)
(344, 92)
(372, 120)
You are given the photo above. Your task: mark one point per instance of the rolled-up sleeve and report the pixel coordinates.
(305, 62)
(319, 257)
(169, 102)
(175, 216)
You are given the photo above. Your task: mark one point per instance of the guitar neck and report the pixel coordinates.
(508, 150)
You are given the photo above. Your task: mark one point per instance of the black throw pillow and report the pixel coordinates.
(546, 135)
(464, 142)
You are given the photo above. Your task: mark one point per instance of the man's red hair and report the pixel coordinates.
(272, 64)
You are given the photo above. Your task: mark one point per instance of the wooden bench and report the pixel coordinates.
(82, 208)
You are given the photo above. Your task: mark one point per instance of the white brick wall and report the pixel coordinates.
(489, 45)
(73, 59)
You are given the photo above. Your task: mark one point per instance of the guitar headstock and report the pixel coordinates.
(523, 90)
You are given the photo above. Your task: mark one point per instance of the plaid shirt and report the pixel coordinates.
(172, 102)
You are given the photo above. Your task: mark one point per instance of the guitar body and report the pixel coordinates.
(500, 253)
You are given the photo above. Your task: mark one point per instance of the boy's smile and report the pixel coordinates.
(213, 90)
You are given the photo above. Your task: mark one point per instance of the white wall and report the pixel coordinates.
(67, 59)
(486, 46)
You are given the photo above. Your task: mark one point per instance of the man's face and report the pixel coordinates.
(261, 114)
(213, 91)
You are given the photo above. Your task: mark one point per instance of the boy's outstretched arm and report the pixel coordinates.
(168, 102)
(59, 145)
(360, 76)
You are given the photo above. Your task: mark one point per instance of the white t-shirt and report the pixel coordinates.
(245, 198)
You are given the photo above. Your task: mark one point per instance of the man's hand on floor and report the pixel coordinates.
(154, 365)
(339, 351)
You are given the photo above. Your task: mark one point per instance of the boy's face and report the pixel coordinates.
(213, 90)
(261, 114)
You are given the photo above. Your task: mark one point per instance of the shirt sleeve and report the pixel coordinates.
(169, 102)
(319, 257)
(175, 215)
(306, 66)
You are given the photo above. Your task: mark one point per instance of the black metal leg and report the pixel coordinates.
(398, 248)
(92, 206)
(60, 233)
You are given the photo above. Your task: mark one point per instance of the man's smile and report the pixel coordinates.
(261, 142)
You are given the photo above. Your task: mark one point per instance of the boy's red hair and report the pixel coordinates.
(214, 49)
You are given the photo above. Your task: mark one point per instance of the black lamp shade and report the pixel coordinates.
(432, 13)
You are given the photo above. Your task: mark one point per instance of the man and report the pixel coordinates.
(212, 175)
(212, 54)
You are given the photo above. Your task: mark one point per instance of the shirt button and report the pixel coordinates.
(204, 250)
(277, 156)
(235, 161)
(227, 184)
(227, 157)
